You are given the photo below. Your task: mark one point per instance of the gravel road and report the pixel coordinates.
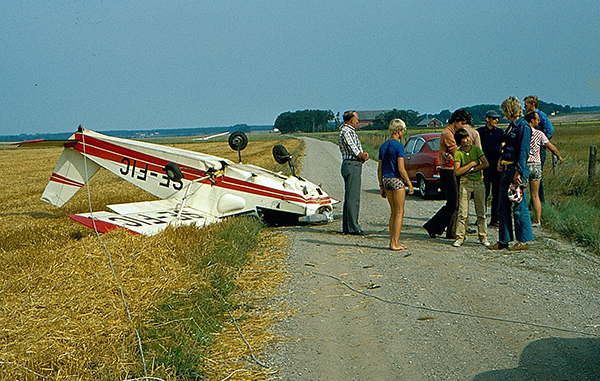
(357, 311)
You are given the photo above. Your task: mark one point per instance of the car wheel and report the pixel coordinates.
(423, 188)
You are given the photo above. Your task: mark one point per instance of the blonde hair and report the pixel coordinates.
(533, 99)
(511, 108)
(396, 125)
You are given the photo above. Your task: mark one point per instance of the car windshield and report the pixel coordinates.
(434, 144)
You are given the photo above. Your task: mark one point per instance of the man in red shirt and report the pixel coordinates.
(445, 218)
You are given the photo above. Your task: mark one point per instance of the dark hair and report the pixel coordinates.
(459, 135)
(530, 116)
(461, 115)
(348, 115)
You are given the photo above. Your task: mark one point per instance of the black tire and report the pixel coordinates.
(238, 141)
(424, 188)
(173, 172)
(281, 154)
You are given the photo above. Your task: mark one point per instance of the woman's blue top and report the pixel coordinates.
(389, 152)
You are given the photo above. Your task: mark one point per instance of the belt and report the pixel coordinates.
(360, 161)
(505, 164)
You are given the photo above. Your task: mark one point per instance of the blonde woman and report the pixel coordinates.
(513, 165)
(392, 179)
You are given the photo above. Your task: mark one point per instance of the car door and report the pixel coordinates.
(408, 157)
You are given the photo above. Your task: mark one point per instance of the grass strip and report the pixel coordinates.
(178, 330)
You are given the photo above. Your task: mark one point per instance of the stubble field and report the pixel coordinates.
(73, 304)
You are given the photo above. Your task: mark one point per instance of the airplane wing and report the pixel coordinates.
(43, 143)
(212, 136)
(146, 218)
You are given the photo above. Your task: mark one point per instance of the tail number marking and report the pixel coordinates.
(141, 173)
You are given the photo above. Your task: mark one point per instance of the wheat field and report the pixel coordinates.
(63, 289)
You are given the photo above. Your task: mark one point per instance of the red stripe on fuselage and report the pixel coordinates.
(244, 186)
(115, 153)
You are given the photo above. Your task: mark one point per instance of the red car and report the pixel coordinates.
(422, 162)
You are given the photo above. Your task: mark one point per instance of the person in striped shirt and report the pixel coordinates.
(532, 104)
(539, 141)
(353, 158)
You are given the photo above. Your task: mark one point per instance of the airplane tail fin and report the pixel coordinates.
(71, 173)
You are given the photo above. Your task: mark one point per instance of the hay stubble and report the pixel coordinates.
(61, 313)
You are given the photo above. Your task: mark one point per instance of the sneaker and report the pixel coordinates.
(457, 243)
(485, 243)
(538, 225)
(519, 246)
(498, 246)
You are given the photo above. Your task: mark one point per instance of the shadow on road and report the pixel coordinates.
(553, 359)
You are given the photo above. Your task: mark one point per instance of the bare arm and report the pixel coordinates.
(460, 170)
(483, 164)
(380, 177)
(404, 175)
(552, 148)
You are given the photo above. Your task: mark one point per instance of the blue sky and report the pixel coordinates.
(169, 64)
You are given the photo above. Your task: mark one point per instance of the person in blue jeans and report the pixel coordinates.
(513, 164)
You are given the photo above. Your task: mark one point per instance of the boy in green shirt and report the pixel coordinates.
(469, 160)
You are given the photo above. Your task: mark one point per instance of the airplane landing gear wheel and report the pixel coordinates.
(173, 172)
(238, 141)
(280, 154)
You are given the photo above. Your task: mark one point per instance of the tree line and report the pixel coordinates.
(325, 120)
(304, 121)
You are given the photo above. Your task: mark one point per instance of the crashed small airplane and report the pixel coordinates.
(192, 187)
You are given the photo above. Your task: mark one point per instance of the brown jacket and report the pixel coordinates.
(447, 145)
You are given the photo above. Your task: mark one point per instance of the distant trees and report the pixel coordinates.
(241, 127)
(410, 117)
(319, 120)
(478, 112)
(550, 108)
(304, 121)
(443, 116)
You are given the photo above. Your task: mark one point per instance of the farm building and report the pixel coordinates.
(430, 122)
(368, 117)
